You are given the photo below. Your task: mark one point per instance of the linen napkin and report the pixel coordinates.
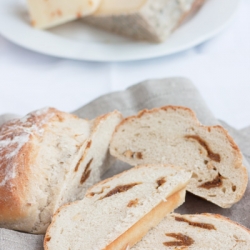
(150, 94)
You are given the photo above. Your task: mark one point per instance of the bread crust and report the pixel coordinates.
(18, 152)
(238, 159)
(15, 172)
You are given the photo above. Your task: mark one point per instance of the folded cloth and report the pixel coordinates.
(150, 94)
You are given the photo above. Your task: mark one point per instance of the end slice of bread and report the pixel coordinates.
(119, 211)
(173, 135)
(49, 158)
(200, 231)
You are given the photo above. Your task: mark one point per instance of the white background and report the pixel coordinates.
(220, 69)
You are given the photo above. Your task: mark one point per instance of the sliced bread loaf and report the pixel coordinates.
(119, 211)
(151, 20)
(173, 135)
(49, 158)
(196, 232)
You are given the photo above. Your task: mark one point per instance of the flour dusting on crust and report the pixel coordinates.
(14, 135)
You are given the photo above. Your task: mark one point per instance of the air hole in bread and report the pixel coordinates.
(86, 172)
(205, 162)
(233, 188)
(224, 190)
(128, 154)
(181, 240)
(212, 195)
(194, 175)
(133, 155)
(120, 189)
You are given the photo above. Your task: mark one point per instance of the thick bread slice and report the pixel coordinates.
(43, 164)
(173, 135)
(196, 232)
(49, 13)
(118, 211)
(151, 20)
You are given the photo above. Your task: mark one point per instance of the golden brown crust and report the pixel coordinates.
(150, 220)
(17, 153)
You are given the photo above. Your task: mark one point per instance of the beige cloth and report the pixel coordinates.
(150, 94)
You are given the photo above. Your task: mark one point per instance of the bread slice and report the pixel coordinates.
(49, 13)
(196, 232)
(47, 159)
(173, 135)
(151, 20)
(119, 211)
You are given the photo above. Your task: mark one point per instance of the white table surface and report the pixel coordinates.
(220, 69)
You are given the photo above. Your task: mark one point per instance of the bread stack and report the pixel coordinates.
(51, 160)
(150, 20)
(47, 159)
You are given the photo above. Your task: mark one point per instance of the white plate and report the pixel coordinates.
(78, 41)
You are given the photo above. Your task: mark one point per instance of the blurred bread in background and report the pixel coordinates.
(48, 13)
(149, 20)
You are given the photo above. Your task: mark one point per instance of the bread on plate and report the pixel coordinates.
(50, 13)
(150, 20)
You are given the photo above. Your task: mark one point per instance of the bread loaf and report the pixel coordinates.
(49, 158)
(196, 232)
(119, 211)
(173, 135)
(49, 13)
(151, 20)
